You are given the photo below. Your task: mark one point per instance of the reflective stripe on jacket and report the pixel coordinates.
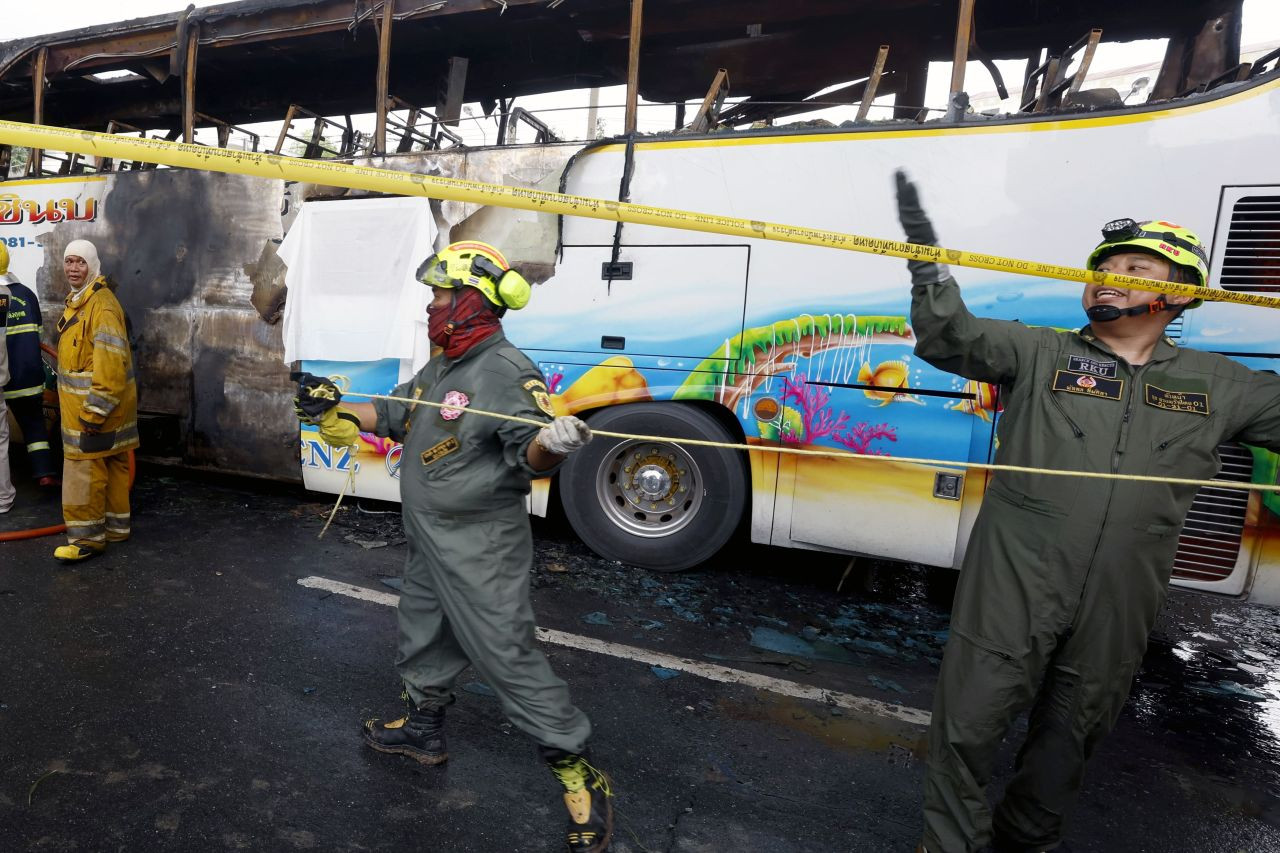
(96, 388)
(22, 341)
(4, 356)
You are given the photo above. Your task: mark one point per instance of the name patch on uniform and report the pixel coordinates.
(441, 450)
(1083, 364)
(1090, 386)
(1177, 401)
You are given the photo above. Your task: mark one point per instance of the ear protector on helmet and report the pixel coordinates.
(513, 289)
(479, 265)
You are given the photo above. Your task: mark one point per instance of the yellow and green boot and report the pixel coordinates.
(589, 798)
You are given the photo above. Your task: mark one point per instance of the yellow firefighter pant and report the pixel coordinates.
(95, 499)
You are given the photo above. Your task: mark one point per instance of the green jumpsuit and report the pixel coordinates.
(463, 482)
(1064, 577)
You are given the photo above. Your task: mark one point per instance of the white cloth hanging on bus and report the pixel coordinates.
(352, 292)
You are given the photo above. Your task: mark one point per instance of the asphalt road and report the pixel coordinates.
(185, 692)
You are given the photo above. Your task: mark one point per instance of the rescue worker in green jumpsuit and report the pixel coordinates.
(1064, 577)
(463, 482)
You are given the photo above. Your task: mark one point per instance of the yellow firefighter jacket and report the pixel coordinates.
(96, 389)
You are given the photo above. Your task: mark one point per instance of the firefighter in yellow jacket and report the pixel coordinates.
(99, 403)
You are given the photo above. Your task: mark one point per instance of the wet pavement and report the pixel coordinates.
(184, 692)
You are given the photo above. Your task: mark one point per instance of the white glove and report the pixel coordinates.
(564, 435)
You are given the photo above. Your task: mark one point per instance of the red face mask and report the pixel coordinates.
(466, 321)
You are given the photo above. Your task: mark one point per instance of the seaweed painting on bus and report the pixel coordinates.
(837, 380)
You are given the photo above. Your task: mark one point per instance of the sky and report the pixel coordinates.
(1261, 26)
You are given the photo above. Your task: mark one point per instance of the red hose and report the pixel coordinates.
(38, 532)
(33, 533)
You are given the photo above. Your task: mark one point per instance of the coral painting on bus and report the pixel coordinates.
(820, 379)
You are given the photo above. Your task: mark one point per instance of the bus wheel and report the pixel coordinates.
(655, 504)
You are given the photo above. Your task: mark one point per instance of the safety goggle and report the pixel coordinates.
(1120, 230)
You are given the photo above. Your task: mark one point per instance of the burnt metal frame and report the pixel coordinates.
(225, 129)
(409, 131)
(1259, 66)
(542, 131)
(1048, 78)
(313, 146)
(709, 113)
(873, 83)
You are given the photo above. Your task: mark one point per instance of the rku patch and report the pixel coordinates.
(1177, 401)
(1090, 386)
(1083, 364)
(441, 450)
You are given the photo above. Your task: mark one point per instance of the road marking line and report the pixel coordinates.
(710, 671)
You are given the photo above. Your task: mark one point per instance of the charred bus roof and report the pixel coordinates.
(413, 63)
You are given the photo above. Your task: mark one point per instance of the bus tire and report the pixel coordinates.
(657, 505)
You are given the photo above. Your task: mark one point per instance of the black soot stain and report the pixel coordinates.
(161, 224)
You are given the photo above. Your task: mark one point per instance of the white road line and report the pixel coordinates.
(713, 672)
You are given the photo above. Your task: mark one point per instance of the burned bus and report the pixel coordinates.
(231, 280)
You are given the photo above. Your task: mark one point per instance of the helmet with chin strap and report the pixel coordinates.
(1165, 240)
(470, 263)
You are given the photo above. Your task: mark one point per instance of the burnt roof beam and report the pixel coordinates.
(84, 52)
(699, 16)
(330, 15)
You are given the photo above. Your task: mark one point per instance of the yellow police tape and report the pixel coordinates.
(840, 454)
(329, 173)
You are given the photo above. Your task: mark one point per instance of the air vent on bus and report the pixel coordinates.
(1210, 542)
(1252, 257)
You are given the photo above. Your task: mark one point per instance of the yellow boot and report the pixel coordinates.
(76, 552)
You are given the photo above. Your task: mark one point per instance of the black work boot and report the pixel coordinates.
(589, 798)
(419, 734)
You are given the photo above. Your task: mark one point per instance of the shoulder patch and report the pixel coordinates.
(544, 402)
(535, 384)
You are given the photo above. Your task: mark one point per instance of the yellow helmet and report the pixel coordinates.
(1172, 242)
(470, 263)
(4, 259)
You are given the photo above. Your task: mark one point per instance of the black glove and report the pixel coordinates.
(919, 230)
(912, 216)
(316, 395)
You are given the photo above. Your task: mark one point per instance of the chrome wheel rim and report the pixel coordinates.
(648, 488)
